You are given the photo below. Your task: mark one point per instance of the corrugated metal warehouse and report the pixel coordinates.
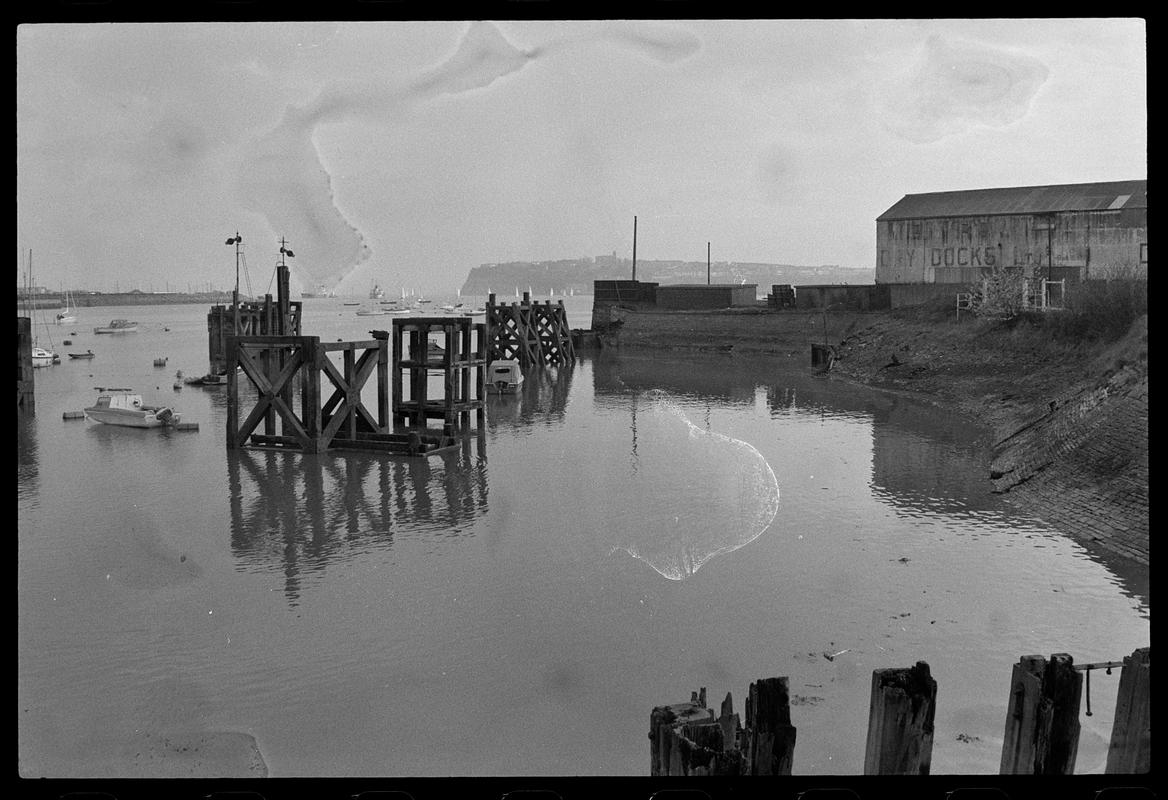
(1073, 231)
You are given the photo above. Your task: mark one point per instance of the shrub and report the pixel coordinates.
(999, 296)
(1102, 308)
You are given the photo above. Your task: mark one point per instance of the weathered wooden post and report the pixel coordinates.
(1042, 719)
(1131, 733)
(770, 735)
(1058, 740)
(25, 375)
(900, 721)
(1021, 716)
(232, 350)
(666, 740)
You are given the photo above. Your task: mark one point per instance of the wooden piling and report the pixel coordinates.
(1131, 733)
(770, 744)
(666, 737)
(25, 380)
(1042, 718)
(1058, 740)
(900, 721)
(1022, 716)
(463, 369)
(533, 333)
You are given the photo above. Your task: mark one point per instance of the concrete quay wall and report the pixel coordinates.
(761, 330)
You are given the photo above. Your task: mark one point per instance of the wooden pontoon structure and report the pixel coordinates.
(534, 333)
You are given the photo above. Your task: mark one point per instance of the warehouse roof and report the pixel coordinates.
(1021, 200)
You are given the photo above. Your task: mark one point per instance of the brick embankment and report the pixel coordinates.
(1071, 426)
(1084, 466)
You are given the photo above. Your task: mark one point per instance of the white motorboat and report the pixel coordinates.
(44, 358)
(504, 376)
(128, 410)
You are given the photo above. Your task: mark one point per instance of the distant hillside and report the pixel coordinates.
(576, 275)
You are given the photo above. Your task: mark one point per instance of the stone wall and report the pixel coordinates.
(1083, 465)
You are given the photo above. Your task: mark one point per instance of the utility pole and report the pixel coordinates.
(634, 247)
(707, 263)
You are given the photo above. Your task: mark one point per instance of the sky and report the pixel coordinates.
(407, 153)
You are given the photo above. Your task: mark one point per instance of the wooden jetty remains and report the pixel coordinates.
(1041, 730)
(287, 373)
(25, 382)
(458, 354)
(279, 317)
(534, 333)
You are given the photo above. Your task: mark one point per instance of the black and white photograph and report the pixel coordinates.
(660, 400)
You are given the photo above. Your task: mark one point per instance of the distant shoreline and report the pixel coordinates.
(57, 300)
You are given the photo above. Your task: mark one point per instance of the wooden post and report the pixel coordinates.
(25, 376)
(310, 393)
(1058, 739)
(1022, 716)
(384, 424)
(350, 374)
(900, 721)
(1042, 720)
(233, 442)
(672, 750)
(1131, 733)
(770, 735)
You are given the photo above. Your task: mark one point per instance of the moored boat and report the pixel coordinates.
(117, 326)
(210, 379)
(504, 376)
(86, 354)
(69, 312)
(44, 358)
(128, 410)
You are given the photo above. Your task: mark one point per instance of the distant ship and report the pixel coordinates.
(321, 291)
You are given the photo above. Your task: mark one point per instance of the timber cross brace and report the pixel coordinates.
(343, 417)
(531, 332)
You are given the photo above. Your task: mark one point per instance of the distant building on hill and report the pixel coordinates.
(1077, 232)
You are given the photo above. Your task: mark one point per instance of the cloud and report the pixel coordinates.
(955, 87)
(283, 178)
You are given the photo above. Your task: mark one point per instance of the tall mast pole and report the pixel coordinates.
(634, 247)
(235, 240)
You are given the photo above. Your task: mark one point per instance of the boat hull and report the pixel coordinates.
(44, 358)
(130, 419)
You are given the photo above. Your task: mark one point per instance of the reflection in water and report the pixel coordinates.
(27, 470)
(677, 465)
(928, 465)
(724, 380)
(298, 512)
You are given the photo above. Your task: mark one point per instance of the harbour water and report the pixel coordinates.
(625, 531)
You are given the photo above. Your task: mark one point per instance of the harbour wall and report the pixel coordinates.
(755, 329)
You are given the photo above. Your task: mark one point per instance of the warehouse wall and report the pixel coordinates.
(959, 249)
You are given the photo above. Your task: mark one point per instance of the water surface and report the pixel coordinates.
(627, 530)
